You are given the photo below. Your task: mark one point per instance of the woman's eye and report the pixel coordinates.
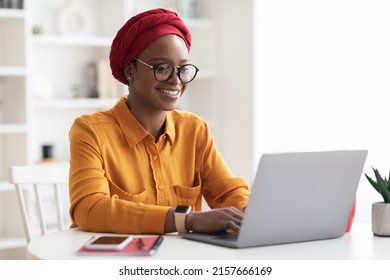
(162, 68)
(184, 70)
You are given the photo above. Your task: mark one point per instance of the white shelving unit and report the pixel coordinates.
(14, 122)
(63, 59)
(28, 122)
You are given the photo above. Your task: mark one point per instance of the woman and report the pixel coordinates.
(141, 166)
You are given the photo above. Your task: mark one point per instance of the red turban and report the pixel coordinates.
(139, 32)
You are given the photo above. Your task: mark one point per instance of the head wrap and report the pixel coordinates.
(139, 32)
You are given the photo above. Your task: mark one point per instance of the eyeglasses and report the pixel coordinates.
(164, 71)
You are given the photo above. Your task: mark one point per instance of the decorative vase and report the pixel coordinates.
(41, 86)
(380, 218)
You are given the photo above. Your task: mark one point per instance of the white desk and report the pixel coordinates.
(359, 244)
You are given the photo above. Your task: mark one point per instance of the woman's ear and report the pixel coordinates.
(129, 72)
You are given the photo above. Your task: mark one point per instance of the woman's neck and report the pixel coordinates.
(152, 121)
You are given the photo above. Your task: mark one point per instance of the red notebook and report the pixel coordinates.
(139, 246)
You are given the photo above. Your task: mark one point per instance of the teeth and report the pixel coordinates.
(170, 92)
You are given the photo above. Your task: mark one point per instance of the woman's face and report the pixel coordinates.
(145, 90)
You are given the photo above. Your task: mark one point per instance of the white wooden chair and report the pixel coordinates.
(36, 177)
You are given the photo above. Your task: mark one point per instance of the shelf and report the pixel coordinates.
(75, 103)
(12, 128)
(12, 243)
(72, 40)
(12, 13)
(12, 71)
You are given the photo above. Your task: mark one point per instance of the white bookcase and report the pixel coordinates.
(43, 68)
(14, 117)
(13, 97)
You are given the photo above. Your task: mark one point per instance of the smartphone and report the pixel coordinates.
(108, 242)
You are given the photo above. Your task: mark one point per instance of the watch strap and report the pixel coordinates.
(180, 222)
(180, 214)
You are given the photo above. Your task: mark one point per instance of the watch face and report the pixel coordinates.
(182, 209)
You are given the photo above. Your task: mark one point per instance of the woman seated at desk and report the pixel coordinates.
(131, 166)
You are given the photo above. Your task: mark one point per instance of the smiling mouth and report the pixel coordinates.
(170, 92)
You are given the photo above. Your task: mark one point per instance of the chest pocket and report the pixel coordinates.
(189, 195)
(115, 191)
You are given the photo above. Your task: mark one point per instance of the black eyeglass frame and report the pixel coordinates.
(179, 68)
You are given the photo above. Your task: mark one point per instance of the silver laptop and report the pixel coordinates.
(297, 197)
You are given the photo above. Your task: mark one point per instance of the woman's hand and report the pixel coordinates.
(222, 219)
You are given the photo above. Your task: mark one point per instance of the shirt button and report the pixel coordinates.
(154, 157)
(160, 187)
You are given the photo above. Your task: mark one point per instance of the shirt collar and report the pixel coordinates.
(133, 130)
(170, 128)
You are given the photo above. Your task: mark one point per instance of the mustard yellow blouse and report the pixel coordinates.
(122, 181)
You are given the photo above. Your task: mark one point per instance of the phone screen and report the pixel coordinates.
(112, 240)
(106, 242)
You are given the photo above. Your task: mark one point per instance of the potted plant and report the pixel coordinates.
(381, 210)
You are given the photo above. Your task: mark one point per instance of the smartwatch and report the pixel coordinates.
(181, 212)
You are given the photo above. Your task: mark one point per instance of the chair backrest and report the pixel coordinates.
(26, 178)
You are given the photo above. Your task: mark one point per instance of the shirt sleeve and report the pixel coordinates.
(220, 187)
(92, 208)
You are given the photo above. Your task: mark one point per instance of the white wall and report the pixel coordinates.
(234, 60)
(322, 80)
